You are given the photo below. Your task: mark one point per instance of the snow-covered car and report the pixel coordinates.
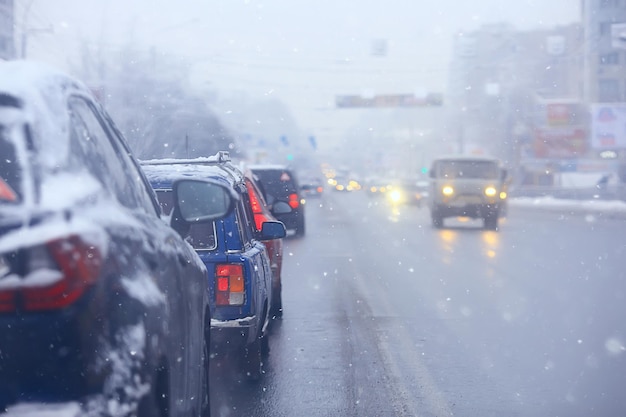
(103, 306)
(238, 265)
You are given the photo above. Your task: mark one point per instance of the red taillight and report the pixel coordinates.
(257, 209)
(7, 301)
(320, 189)
(77, 264)
(294, 201)
(230, 287)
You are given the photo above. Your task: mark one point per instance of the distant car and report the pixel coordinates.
(467, 186)
(408, 192)
(341, 183)
(312, 188)
(237, 262)
(102, 304)
(377, 188)
(280, 184)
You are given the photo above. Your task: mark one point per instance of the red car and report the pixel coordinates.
(274, 247)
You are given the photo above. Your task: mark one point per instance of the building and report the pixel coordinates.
(500, 78)
(604, 50)
(605, 76)
(7, 41)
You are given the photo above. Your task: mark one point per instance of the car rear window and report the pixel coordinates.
(276, 183)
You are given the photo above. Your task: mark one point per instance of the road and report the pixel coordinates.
(386, 316)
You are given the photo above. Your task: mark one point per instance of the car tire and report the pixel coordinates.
(205, 406)
(156, 402)
(300, 229)
(277, 303)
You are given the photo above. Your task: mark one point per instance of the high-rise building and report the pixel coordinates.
(604, 22)
(499, 76)
(604, 45)
(7, 43)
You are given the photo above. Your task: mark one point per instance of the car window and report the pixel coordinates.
(201, 236)
(277, 184)
(10, 169)
(467, 169)
(92, 144)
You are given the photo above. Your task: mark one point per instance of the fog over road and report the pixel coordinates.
(387, 316)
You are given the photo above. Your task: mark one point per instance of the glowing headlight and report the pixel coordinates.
(490, 191)
(502, 195)
(447, 190)
(395, 196)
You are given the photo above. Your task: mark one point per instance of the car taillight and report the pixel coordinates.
(294, 201)
(48, 277)
(320, 189)
(255, 203)
(229, 285)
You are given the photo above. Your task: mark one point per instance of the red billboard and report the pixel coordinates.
(561, 143)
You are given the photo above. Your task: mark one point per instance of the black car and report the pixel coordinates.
(103, 306)
(279, 183)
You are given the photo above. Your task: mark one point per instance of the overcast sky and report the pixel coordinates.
(301, 51)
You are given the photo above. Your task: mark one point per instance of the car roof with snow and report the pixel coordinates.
(163, 172)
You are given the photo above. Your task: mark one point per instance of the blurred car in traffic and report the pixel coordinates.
(312, 188)
(377, 187)
(341, 183)
(279, 184)
(274, 247)
(467, 186)
(408, 192)
(102, 304)
(237, 261)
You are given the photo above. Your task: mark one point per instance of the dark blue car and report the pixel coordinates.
(239, 270)
(104, 308)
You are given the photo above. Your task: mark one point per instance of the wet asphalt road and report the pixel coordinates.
(386, 316)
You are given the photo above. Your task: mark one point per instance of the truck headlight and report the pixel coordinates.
(490, 191)
(447, 190)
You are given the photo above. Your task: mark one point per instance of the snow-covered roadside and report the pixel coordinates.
(608, 208)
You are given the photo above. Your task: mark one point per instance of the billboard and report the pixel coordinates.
(389, 100)
(560, 143)
(559, 129)
(608, 126)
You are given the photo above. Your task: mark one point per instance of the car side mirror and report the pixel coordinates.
(272, 230)
(200, 201)
(280, 207)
